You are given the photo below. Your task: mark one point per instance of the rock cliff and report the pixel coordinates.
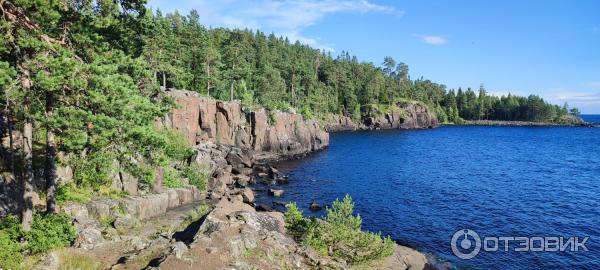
(402, 115)
(204, 119)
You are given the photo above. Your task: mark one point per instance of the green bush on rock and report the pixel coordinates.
(339, 235)
(10, 252)
(50, 231)
(197, 175)
(47, 232)
(10, 248)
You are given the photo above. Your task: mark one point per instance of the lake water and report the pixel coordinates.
(591, 118)
(421, 186)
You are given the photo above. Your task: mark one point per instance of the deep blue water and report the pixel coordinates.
(591, 118)
(422, 186)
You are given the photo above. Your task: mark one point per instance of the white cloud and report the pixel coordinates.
(284, 17)
(587, 102)
(433, 40)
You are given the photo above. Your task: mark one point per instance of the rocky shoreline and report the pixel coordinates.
(402, 115)
(524, 123)
(223, 228)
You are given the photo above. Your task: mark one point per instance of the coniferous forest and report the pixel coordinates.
(87, 79)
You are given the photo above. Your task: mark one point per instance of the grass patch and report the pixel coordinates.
(71, 260)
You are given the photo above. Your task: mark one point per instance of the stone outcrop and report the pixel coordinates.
(404, 115)
(234, 235)
(138, 207)
(203, 119)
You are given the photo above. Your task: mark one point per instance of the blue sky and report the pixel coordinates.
(550, 48)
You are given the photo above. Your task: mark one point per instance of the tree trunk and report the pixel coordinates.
(293, 90)
(27, 173)
(164, 80)
(27, 181)
(11, 143)
(50, 166)
(231, 91)
(208, 79)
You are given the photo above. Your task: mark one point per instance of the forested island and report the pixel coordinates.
(86, 87)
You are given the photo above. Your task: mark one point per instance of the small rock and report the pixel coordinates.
(110, 234)
(283, 180)
(261, 168)
(276, 192)
(124, 223)
(315, 206)
(248, 196)
(262, 175)
(263, 207)
(137, 243)
(274, 173)
(88, 238)
(211, 250)
(242, 171)
(279, 203)
(241, 180)
(179, 248)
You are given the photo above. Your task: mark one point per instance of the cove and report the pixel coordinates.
(421, 186)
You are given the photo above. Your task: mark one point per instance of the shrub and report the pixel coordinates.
(11, 226)
(10, 252)
(295, 223)
(177, 147)
(50, 231)
(197, 175)
(339, 235)
(171, 178)
(72, 193)
(10, 248)
(306, 112)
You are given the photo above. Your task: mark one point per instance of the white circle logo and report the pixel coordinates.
(462, 244)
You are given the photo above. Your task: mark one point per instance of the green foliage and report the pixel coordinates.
(10, 248)
(171, 178)
(11, 226)
(176, 146)
(341, 214)
(47, 232)
(339, 235)
(10, 252)
(295, 223)
(307, 112)
(50, 231)
(197, 175)
(72, 193)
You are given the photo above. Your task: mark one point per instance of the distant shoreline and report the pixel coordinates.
(523, 123)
